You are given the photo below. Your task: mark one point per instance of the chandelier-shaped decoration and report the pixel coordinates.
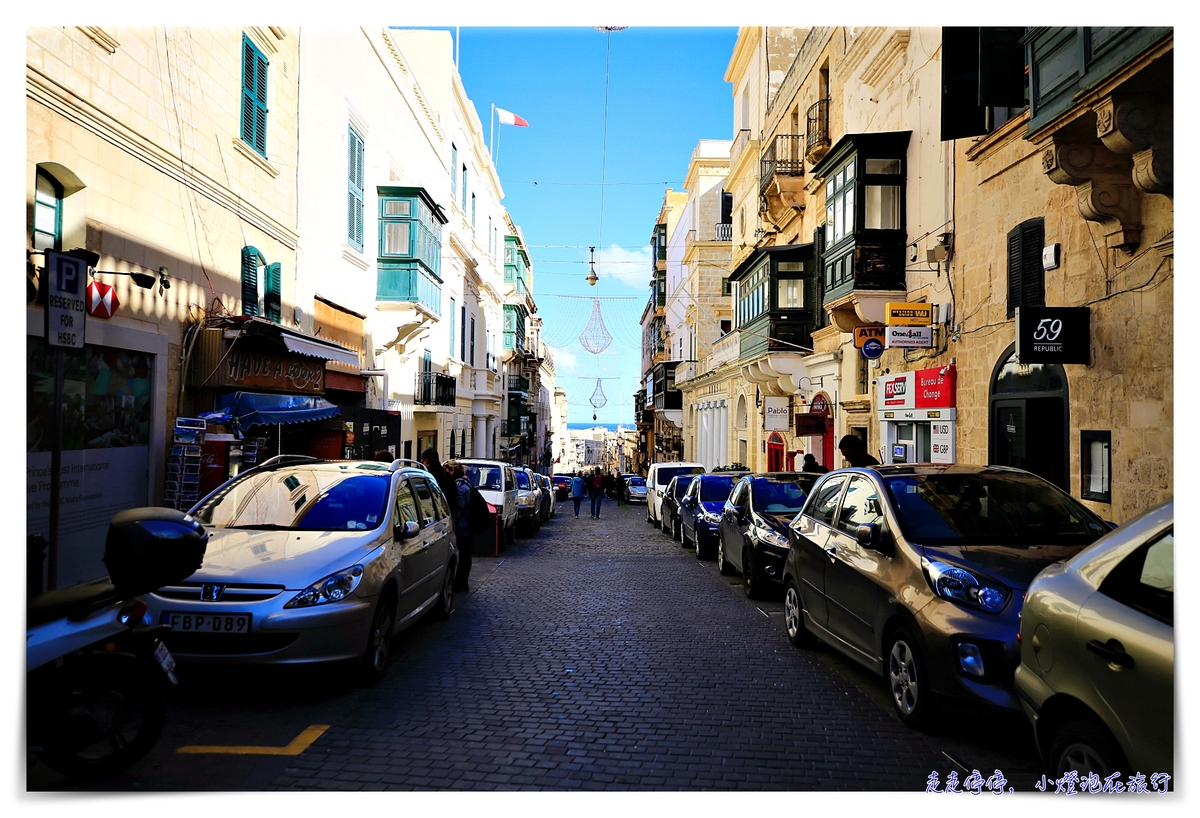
(598, 399)
(595, 337)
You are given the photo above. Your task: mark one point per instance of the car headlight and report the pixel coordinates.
(772, 537)
(525, 500)
(332, 588)
(960, 585)
(709, 518)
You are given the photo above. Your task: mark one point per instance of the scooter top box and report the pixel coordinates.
(148, 548)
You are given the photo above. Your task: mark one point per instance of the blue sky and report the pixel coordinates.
(666, 91)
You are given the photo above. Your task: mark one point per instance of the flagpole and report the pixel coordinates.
(492, 133)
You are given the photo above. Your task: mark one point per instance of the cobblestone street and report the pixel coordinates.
(599, 655)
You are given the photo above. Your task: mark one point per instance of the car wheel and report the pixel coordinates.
(379, 640)
(446, 603)
(911, 696)
(750, 581)
(793, 619)
(684, 542)
(677, 528)
(1086, 748)
(723, 564)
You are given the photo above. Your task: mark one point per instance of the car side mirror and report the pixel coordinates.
(875, 537)
(407, 530)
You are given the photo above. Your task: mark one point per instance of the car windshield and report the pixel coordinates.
(522, 480)
(485, 477)
(300, 499)
(989, 508)
(681, 485)
(664, 475)
(715, 489)
(637, 481)
(778, 497)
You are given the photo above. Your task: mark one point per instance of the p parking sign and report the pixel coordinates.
(66, 307)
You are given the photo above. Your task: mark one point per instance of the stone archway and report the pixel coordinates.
(1029, 418)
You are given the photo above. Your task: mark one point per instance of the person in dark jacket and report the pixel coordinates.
(855, 452)
(812, 466)
(462, 525)
(596, 492)
(434, 466)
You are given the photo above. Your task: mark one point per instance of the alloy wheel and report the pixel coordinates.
(902, 674)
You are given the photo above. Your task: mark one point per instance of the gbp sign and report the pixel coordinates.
(65, 302)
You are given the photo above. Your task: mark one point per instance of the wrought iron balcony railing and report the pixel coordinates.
(783, 157)
(818, 130)
(435, 389)
(724, 231)
(516, 383)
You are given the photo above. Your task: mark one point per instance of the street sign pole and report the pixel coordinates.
(65, 315)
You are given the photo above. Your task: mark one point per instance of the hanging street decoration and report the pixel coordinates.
(101, 300)
(598, 399)
(595, 337)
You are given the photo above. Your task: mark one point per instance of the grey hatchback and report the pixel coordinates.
(919, 572)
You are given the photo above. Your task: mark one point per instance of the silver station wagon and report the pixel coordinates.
(313, 561)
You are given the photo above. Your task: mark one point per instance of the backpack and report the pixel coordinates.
(479, 519)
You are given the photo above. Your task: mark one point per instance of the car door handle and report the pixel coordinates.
(1111, 651)
(831, 550)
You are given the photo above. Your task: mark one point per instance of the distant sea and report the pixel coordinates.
(612, 427)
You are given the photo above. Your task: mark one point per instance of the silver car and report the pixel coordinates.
(548, 504)
(529, 500)
(313, 561)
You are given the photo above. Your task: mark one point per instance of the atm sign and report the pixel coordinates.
(867, 332)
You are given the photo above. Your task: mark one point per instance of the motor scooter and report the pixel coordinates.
(97, 671)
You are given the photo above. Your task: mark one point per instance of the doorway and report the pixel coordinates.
(775, 452)
(1029, 420)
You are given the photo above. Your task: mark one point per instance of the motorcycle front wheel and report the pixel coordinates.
(97, 714)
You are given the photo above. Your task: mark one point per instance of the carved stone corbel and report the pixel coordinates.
(1144, 129)
(1104, 186)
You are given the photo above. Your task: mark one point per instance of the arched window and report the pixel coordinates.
(47, 213)
(741, 421)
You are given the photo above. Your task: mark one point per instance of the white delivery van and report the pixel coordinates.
(497, 482)
(657, 478)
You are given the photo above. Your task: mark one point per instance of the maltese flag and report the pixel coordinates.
(509, 118)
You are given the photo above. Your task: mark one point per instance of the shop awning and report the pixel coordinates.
(256, 409)
(314, 348)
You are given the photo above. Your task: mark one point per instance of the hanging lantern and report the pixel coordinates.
(592, 278)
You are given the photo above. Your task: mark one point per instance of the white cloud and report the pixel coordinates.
(630, 266)
(564, 360)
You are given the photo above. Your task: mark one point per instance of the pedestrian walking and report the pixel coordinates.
(577, 491)
(855, 452)
(812, 466)
(597, 493)
(445, 482)
(462, 524)
(619, 487)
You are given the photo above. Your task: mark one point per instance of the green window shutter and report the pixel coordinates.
(254, 97)
(453, 175)
(250, 257)
(355, 197)
(272, 297)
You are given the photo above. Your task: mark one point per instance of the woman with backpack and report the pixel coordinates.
(462, 523)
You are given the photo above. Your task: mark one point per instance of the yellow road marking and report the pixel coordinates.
(294, 748)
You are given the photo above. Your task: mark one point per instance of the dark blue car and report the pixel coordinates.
(754, 528)
(700, 512)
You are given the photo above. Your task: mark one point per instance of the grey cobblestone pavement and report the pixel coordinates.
(600, 655)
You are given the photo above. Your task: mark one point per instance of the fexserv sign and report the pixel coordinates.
(921, 391)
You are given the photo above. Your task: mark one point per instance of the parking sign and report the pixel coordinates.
(65, 303)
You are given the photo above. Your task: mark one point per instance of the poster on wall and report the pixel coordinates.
(777, 415)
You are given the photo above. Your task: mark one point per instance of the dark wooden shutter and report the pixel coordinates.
(1001, 67)
(726, 207)
(1026, 279)
(250, 256)
(962, 115)
(272, 300)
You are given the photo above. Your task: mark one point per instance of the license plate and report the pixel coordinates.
(207, 623)
(165, 660)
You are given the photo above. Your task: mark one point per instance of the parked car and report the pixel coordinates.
(529, 500)
(1097, 673)
(669, 508)
(313, 561)
(635, 489)
(548, 503)
(497, 482)
(562, 486)
(753, 534)
(700, 511)
(918, 573)
(657, 478)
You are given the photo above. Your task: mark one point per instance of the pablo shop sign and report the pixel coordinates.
(923, 389)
